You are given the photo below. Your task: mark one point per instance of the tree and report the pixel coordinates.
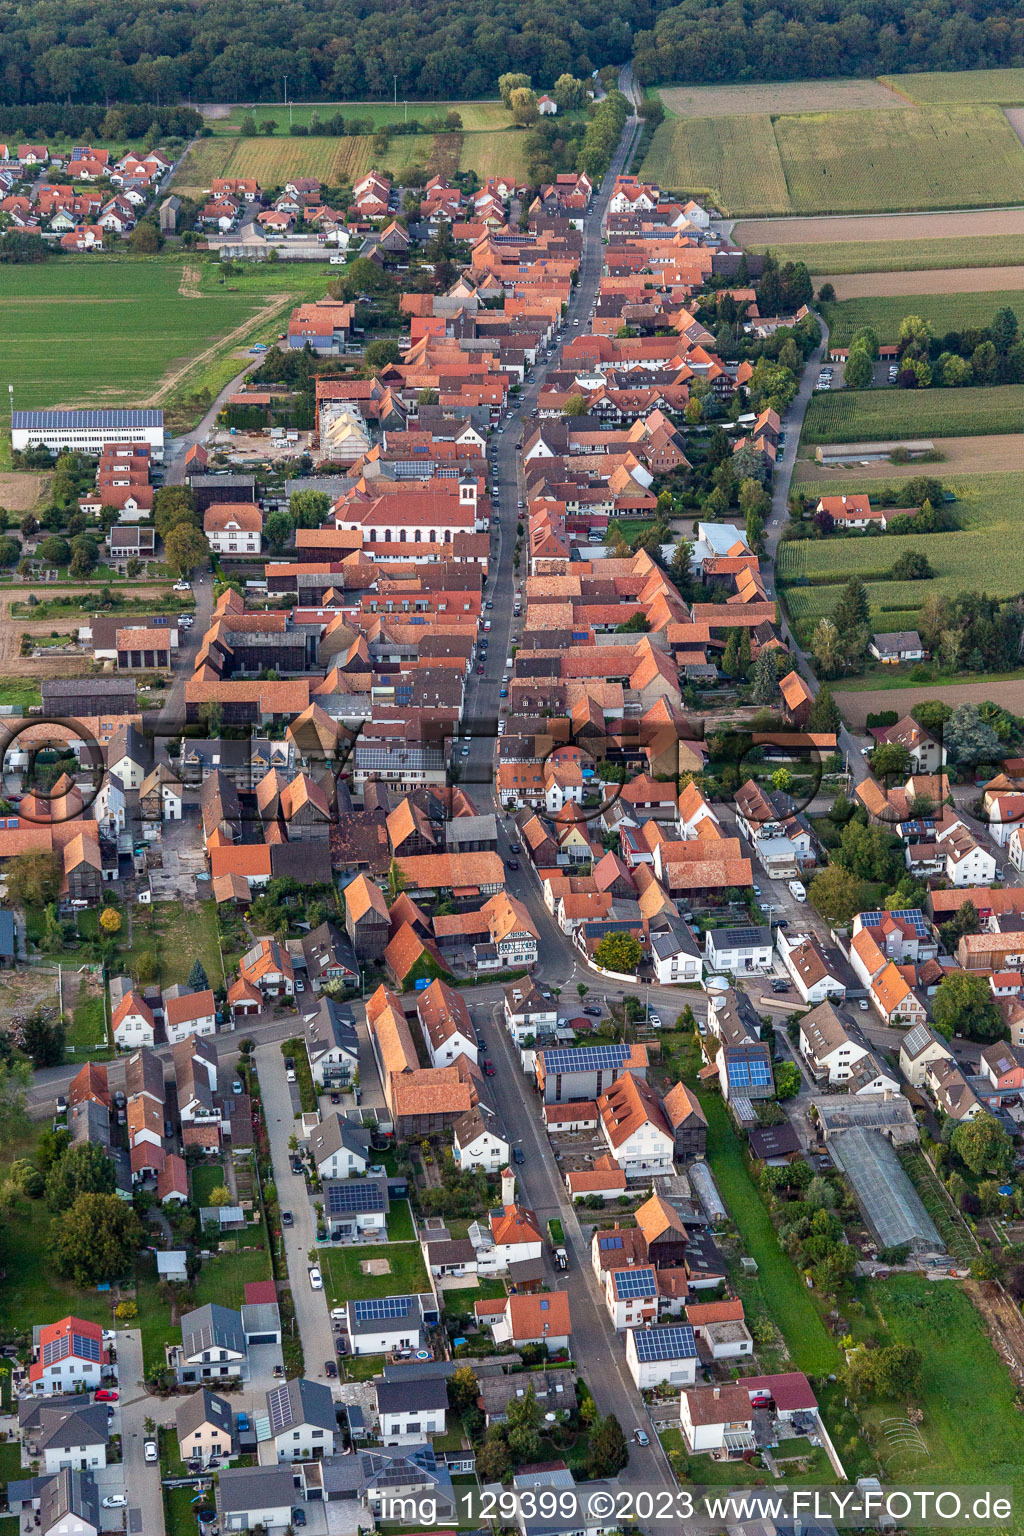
(575, 405)
(43, 1040)
(54, 551)
(494, 1463)
(173, 504)
(511, 82)
(619, 952)
(95, 1241)
(145, 239)
(787, 1080)
(309, 508)
(198, 980)
(824, 712)
(110, 920)
(185, 548)
(1004, 329)
(33, 879)
(569, 92)
(463, 1390)
(608, 1452)
(891, 761)
(220, 1195)
(82, 1169)
(893, 1371)
(852, 607)
(963, 1006)
(859, 369)
(765, 681)
(15, 1076)
(396, 880)
(983, 1146)
(835, 893)
(825, 647)
(10, 551)
(523, 106)
(968, 739)
(867, 338)
(913, 336)
(248, 128)
(380, 354)
(523, 1426)
(277, 529)
(826, 294)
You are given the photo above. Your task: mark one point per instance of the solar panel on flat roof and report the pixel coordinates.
(85, 420)
(664, 1343)
(633, 1283)
(353, 1195)
(381, 1307)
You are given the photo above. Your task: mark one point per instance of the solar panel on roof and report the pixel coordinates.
(608, 1243)
(913, 917)
(664, 1343)
(381, 1307)
(748, 1072)
(736, 936)
(592, 1058)
(279, 1408)
(85, 420)
(353, 1195)
(633, 1283)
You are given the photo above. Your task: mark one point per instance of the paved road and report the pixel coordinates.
(311, 1310)
(142, 1481)
(172, 713)
(174, 464)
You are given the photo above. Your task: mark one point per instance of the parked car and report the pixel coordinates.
(654, 1019)
(115, 1501)
(515, 848)
(298, 1516)
(287, 1219)
(106, 1395)
(316, 1279)
(512, 863)
(641, 1437)
(289, 1075)
(488, 1068)
(330, 1368)
(150, 1451)
(592, 1013)
(518, 1155)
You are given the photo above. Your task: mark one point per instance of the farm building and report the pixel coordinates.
(861, 453)
(87, 431)
(890, 1204)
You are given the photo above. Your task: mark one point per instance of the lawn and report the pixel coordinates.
(400, 1227)
(154, 1316)
(1003, 87)
(944, 312)
(89, 1026)
(180, 1511)
(206, 1177)
(842, 162)
(865, 415)
(223, 1279)
(838, 256)
(778, 1286)
(10, 1463)
(362, 1367)
(345, 1280)
(465, 1297)
(65, 326)
(181, 934)
(971, 1426)
(20, 693)
(30, 1292)
(985, 555)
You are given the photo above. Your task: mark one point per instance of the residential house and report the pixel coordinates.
(717, 1418)
(64, 1432)
(68, 1356)
(815, 973)
(951, 1091)
(407, 1410)
(332, 1044)
(920, 1047)
(132, 1022)
(538, 1318)
(189, 1013)
(205, 1428)
(339, 1149)
(636, 1128)
(477, 1142)
(267, 966)
(355, 1208)
(447, 1027)
(530, 1010)
(631, 1297)
(661, 1355)
(302, 1420)
(233, 528)
(897, 646)
(330, 959)
(738, 951)
(251, 1497)
(826, 1045)
(212, 1345)
(371, 1333)
(688, 1122)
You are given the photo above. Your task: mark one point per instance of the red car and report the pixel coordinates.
(479, 671)
(489, 1068)
(106, 1395)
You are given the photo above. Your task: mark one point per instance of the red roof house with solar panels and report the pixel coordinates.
(68, 1355)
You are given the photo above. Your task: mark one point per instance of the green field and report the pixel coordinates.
(734, 160)
(113, 330)
(838, 256)
(985, 555)
(476, 116)
(344, 1279)
(1002, 87)
(843, 162)
(943, 311)
(180, 935)
(883, 414)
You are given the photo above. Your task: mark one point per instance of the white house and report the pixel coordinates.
(676, 957)
(739, 951)
(636, 1128)
(234, 528)
(302, 1419)
(547, 106)
(477, 1143)
(109, 808)
(967, 862)
(814, 973)
(721, 1327)
(513, 1234)
(332, 1043)
(631, 1296)
(192, 1013)
(409, 1411)
(707, 1415)
(447, 1027)
(69, 1356)
(530, 1009)
(65, 1433)
(539, 1318)
(213, 1346)
(919, 1047)
(132, 1022)
(826, 1046)
(255, 1496)
(654, 1355)
(373, 1330)
(339, 1149)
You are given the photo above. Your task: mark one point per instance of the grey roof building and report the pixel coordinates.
(89, 1121)
(300, 1401)
(248, 1496)
(213, 1336)
(202, 1407)
(332, 1042)
(65, 1421)
(335, 1135)
(418, 1396)
(71, 1494)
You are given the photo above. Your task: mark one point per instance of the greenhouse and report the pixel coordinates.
(890, 1204)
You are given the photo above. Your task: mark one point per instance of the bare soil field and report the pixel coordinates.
(1015, 118)
(880, 226)
(19, 492)
(871, 285)
(787, 97)
(961, 456)
(13, 664)
(856, 706)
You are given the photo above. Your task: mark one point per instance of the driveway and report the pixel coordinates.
(311, 1311)
(141, 1481)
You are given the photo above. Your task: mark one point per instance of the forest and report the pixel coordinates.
(163, 51)
(710, 41)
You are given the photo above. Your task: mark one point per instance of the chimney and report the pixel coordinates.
(717, 1391)
(508, 1187)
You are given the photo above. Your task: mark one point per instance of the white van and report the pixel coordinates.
(797, 891)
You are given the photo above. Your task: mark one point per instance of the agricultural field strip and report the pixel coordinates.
(843, 162)
(831, 259)
(777, 98)
(955, 310)
(985, 555)
(885, 414)
(993, 284)
(997, 87)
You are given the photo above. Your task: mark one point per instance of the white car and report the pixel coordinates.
(316, 1279)
(115, 1501)
(150, 1451)
(339, 1314)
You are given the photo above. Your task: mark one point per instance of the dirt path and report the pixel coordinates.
(880, 226)
(169, 382)
(190, 279)
(870, 285)
(1003, 1324)
(1015, 118)
(856, 706)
